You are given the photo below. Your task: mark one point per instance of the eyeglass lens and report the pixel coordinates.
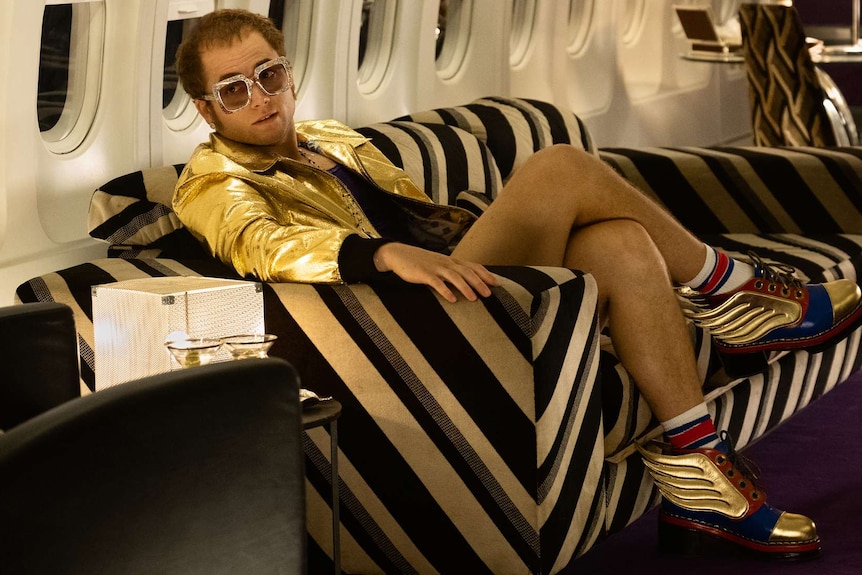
(274, 80)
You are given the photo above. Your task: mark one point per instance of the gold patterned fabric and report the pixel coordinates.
(785, 93)
(280, 220)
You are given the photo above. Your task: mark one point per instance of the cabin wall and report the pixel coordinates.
(614, 62)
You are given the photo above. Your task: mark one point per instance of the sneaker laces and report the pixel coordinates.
(749, 469)
(776, 273)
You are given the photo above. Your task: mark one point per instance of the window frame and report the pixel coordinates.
(298, 15)
(83, 89)
(180, 114)
(579, 26)
(380, 39)
(523, 30)
(456, 42)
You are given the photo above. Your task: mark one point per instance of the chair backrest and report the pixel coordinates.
(192, 471)
(39, 355)
(786, 89)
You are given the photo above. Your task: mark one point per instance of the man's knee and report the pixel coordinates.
(566, 163)
(563, 154)
(628, 242)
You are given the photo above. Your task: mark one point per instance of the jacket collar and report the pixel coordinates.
(331, 137)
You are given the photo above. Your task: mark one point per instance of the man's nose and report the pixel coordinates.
(258, 96)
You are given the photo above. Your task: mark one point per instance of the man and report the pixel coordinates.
(316, 202)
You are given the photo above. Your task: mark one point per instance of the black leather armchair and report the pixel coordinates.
(192, 471)
(39, 355)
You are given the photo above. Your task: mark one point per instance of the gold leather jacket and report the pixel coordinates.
(280, 220)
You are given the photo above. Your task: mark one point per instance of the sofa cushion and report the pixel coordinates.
(443, 161)
(513, 128)
(750, 189)
(134, 211)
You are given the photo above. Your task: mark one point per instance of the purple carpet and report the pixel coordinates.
(811, 464)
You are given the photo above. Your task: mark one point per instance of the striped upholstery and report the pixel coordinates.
(450, 165)
(463, 426)
(471, 422)
(801, 206)
(512, 128)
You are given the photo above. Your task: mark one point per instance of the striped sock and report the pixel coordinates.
(720, 273)
(691, 429)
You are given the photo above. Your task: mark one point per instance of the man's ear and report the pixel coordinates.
(204, 110)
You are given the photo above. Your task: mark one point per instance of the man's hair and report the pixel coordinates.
(216, 29)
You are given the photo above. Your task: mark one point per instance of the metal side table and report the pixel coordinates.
(326, 413)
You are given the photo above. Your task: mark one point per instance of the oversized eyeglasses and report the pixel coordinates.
(234, 93)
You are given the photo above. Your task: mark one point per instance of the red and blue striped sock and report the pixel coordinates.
(692, 429)
(720, 273)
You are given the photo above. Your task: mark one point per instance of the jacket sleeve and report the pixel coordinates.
(240, 227)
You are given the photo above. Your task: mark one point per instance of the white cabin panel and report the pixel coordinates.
(48, 176)
(175, 124)
(473, 57)
(382, 73)
(317, 42)
(570, 58)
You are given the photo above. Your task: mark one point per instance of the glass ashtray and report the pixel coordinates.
(250, 345)
(193, 351)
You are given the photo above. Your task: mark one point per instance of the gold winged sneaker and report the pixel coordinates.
(710, 496)
(776, 311)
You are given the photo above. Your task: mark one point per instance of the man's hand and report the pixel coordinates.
(420, 266)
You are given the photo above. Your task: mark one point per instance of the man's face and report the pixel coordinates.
(267, 120)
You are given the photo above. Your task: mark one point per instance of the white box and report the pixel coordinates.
(132, 319)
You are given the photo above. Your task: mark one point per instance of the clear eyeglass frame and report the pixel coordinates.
(216, 95)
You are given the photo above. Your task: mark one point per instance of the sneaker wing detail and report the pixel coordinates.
(693, 482)
(764, 315)
(747, 317)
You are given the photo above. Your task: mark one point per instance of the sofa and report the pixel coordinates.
(498, 436)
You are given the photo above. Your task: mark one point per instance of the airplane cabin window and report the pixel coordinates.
(367, 5)
(376, 36)
(440, 34)
(579, 25)
(634, 16)
(176, 103)
(523, 20)
(453, 35)
(54, 65)
(293, 18)
(69, 72)
(170, 83)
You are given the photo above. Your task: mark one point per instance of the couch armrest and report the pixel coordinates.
(750, 189)
(486, 415)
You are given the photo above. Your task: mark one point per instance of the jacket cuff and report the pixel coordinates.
(356, 258)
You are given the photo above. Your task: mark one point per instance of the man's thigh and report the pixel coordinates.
(512, 234)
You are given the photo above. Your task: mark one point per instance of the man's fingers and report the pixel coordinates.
(442, 288)
(467, 282)
(444, 274)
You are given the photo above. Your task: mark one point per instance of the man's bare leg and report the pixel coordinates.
(539, 220)
(561, 189)
(633, 249)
